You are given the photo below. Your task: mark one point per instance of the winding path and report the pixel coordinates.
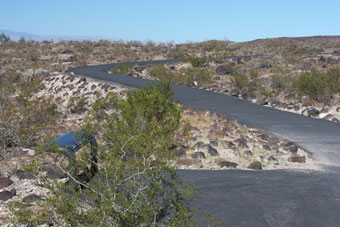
(265, 198)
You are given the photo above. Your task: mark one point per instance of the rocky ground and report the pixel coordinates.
(213, 141)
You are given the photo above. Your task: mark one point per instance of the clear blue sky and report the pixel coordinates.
(173, 20)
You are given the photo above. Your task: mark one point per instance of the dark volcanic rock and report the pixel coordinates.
(179, 153)
(212, 151)
(313, 113)
(224, 163)
(5, 182)
(242, 143)
(256, 165)
(234, 92)
(31, 198)
(248, 153)
(266, 147)
(21, 174)
(199, 145)
(214, 143)
(272, 158)
(6, 195)
(54, 172)
(291, 147)
(198, 155)
(222, 69)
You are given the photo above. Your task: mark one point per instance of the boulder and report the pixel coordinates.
(22, 175)
(214, 143)
(6, 195)
(54, 172)
(212, 151)
(234, 92)
(5, 182)
(31, 198)
(313, 113)
(180, 153)
(256, 165)
(224, 163)
(198, 155)
(223, 69)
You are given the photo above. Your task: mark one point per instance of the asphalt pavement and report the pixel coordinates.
(258, 198)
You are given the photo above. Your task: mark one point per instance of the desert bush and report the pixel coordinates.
(317, 85)
(186, 76)
(123, 69)
(136, 184)
(4, 38)
(21, 117)
(280, 81)
(240, 81)
(195, 61)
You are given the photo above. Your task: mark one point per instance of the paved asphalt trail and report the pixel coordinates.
(264, 198)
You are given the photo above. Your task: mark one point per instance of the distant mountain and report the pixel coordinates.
(15, 36)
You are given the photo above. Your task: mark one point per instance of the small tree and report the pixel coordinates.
(4, 38)
(136, 184)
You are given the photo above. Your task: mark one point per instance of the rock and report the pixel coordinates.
(67, 52)
(297, 158)
(242, 143)
(54, 172)
(223, 69)
(337, 109)
(40, 72)
(291, 147)
(199, 145)
(31, 198)
(212, 151)
(265, 65)
(248, 153)
(275, 103)
(266, 147)
(188, 162)
(21, 174)
(262, 102)
(234, 92)
(264, 137)
(93, 87)
(335, 120)
(1, 158)
(244, 95)
(6, 195)
(5, 182)
(213, 143)
(224, 163)
(272, 158)
(328, 117)
(228, 144)
(198, 155)
(313, 113)
(256, 165)
(180, 153)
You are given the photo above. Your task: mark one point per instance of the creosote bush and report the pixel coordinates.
(22, 119)
(123, 69)
(185, 76)
(195, 61)
(136, 183)
(318, 85)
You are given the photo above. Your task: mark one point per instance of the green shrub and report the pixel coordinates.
(317, 85)
(123, 69)
(195, 61)
(136, 184)
(240, 81)
(22, 119)
(186, 76)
